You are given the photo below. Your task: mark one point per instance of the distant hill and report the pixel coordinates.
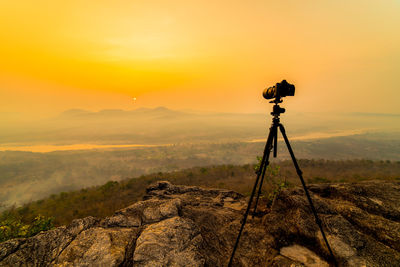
(162, 125)
(141, 126)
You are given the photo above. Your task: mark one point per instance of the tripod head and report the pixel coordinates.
(277, 110)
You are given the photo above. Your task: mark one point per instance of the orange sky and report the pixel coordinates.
(202, 55)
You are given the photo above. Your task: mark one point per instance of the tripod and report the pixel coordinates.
(272, 142)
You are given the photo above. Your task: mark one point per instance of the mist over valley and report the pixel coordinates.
(163, 126)
(78, 148)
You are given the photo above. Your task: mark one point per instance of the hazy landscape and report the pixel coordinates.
(163, 126)
(132, 133)
(79, 149)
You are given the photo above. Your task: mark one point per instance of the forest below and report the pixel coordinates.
(104, 200)
(28, 176)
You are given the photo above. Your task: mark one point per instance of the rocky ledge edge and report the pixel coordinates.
(192, 226)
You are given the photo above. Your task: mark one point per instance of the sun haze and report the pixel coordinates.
(204, 55)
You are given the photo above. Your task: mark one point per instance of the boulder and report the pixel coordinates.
(193, 226)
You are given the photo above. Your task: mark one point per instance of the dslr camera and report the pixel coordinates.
(279, 90)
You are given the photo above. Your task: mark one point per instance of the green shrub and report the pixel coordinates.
(12, 227)
(40, 223)
(258, 164)
(275, 192)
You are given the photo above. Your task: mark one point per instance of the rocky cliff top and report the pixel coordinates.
(192, 226)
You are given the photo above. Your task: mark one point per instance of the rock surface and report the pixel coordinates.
(193, 226)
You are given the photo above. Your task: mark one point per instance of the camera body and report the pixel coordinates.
(279, 90)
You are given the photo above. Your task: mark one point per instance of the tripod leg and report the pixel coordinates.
(300, 174)
(274, 132)
(259, 172)
(276, 141)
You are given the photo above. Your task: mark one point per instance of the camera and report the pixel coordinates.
(279, 90)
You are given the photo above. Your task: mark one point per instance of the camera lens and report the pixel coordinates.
(270, 92)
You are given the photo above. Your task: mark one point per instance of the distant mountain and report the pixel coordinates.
(162, 125)
(118, 113)
(73, 113)
(141, 126)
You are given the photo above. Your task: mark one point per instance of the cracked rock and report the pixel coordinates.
(193, 226)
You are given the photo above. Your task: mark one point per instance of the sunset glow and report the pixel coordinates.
(205, 55)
